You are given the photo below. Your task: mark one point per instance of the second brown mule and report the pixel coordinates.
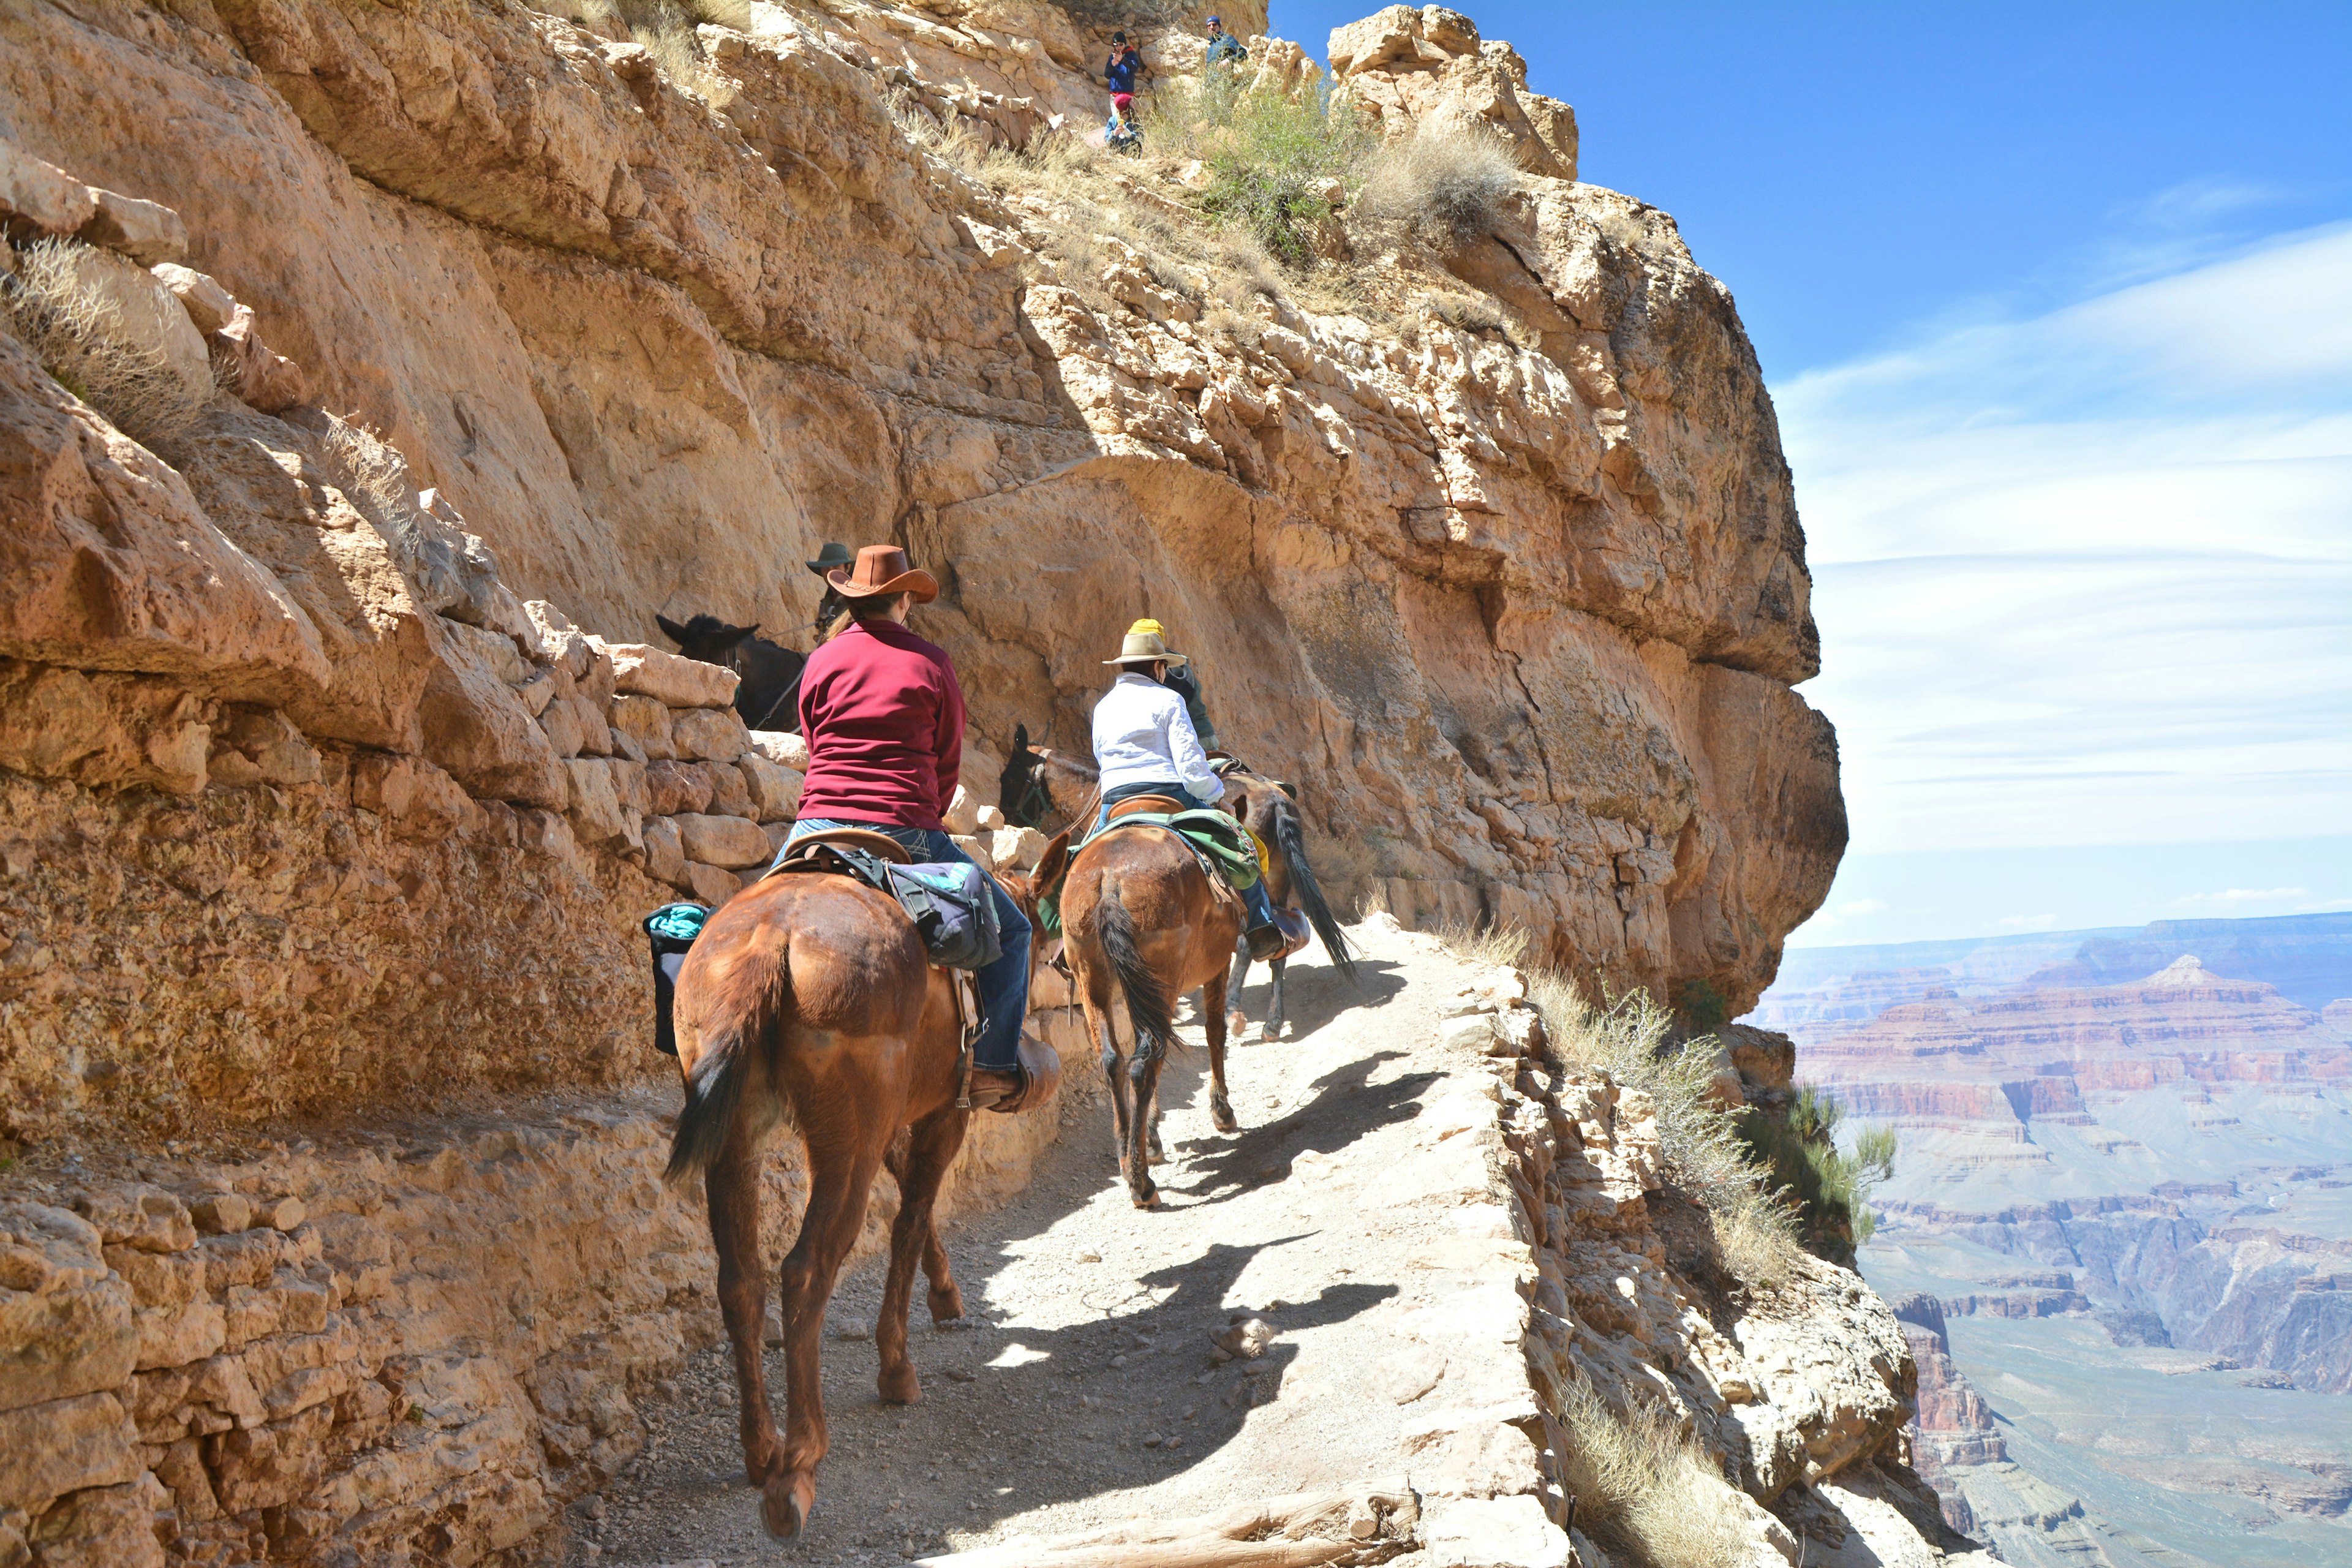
(1142, 924)
(809, 999)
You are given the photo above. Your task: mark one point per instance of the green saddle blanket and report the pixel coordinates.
(1223, 846)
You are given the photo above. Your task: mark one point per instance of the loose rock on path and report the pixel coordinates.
(1089, 1383)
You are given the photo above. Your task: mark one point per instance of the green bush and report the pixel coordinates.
(1830, 1189)
(1268, 155)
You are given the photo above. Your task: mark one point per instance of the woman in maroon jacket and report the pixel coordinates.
(884, 717)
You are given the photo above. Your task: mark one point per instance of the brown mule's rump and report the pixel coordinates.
(809, 998)
(1142, 925)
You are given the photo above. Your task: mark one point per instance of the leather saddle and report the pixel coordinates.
(1155, 805)
(803, 855)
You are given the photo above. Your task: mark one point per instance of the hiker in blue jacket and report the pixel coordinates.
(1223, 45)
(1118, 74)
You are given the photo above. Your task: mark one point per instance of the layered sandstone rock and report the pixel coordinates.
(412, 1347)
(335, 772)
(1525, 617)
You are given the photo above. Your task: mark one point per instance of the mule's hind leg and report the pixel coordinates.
(1212, 1010)
(1277, 1026)
(924, 1165)
(1236, 1020)
(1098, 1019)
(841, 1166)
(732, 1184)
(1144, 1070)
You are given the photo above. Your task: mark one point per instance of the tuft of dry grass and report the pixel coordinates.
(1648, 1490)
(78, 333)
(667, 30)
(1500, 947)
(374, 477)
(1632, 1039)
(1447, 184)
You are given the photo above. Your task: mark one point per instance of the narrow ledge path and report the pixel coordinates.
(1084, 1387)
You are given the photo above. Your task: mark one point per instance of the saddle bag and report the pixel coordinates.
(950, 901)
(672, 929)
(954, 911)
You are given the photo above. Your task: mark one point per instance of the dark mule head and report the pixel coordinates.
(707, 638)
(1020, 791)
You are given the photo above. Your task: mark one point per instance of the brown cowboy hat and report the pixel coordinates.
(883, 569)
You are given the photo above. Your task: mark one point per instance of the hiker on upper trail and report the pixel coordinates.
(829, 558)
(1145, 744)
(884, 716)
(1223, 45)
(1118, 75)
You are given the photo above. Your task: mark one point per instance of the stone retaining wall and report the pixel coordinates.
(413, 1346)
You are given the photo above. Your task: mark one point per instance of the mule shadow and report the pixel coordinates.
(1315, 994)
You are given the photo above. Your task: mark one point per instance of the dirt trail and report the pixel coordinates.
(1085, 1388)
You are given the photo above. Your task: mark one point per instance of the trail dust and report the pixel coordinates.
(1083, 1386)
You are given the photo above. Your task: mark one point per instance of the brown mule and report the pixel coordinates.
(1138, 915)
(808, 998)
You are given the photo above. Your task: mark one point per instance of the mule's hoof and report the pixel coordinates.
(785, 1504)
(1149, 1199)
(902, 1387)
(760, 1459)
(946, 1304)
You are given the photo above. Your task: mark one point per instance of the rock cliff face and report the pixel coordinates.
(1525, 618)
(338, 756)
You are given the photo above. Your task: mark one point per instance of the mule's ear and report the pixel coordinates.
(1020, 738)
(747, 631)
(670, 629)
(1054, 863)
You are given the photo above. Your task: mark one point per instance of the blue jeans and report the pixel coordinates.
(1004, 984)
(1254, 897)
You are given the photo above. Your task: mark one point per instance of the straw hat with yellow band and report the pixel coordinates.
(1147, 643)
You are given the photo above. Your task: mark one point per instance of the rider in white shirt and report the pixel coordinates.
(1145, 744)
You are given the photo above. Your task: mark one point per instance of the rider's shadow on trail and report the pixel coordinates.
(1345, 1105)
(1093, 1396)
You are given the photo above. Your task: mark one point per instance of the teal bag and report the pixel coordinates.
(672, 929)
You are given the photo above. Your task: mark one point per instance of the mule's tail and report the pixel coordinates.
(715, 1089)
(1290, 841)
(1147, 1007)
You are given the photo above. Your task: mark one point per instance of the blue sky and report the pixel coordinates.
(2055, 302)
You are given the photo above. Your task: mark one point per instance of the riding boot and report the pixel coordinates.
(1263, 936)
(1024, 1086)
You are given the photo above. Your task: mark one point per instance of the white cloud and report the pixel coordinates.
(2235, 896)
(2088, 578)
(2026, 922)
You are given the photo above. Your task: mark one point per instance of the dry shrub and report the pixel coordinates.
(665, 29)
(1500, 947)
(1447, 183)
(80, 337)
(950, 141)
(1648, 1491)
(1631, 1040)
(371, 473)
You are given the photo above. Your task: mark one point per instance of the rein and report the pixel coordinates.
(735, 663)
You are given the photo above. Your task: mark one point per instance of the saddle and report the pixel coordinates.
(867, 856)
(1158, 804)
(804, 853)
